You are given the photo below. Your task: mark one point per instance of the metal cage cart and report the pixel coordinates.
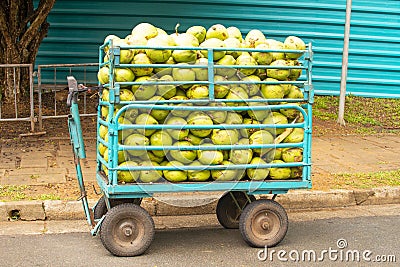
(125, 228)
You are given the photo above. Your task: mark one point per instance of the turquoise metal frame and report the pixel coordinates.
(109, 184)
(78, 146)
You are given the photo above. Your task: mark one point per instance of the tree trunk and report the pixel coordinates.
(22, 29)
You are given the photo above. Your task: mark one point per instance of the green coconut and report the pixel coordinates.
(177, 175)
(279, 173)
(183, 156)
(198, 175)
(257, 174)
(128, 176)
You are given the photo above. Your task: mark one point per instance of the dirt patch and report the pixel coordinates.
(53, 104)
(330, 128)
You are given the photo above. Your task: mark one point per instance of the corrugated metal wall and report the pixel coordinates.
(375, 48)
(78, 27)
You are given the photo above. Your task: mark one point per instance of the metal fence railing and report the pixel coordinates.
(17, 114)
(51, 79)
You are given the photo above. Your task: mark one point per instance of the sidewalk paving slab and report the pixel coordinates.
(33, 176)
(65, 159)
(303, 199)
(8, 163)
(64, 210)
(26, 210)
(34, 160)
(352, 155)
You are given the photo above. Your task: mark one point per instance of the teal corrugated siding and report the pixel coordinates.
(78, 27)
(374, 53)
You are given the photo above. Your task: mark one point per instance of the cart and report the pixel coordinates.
(127, 229)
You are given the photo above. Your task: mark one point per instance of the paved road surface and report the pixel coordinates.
(215, 246)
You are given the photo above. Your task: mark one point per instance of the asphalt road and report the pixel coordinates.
(333, 240)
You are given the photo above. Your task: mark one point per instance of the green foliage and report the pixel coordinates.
(364, 115)
(23, 192)
(370, 180)
(325, 102)
(13, 192)
(48, 197)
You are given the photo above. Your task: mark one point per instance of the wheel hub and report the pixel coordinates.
(265, 225)
(127, 230)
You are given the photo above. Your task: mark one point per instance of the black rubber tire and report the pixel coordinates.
(127, 230)
(101, 208)
(263, 223)
(228, 212)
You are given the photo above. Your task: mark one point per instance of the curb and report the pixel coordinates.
(297, 200)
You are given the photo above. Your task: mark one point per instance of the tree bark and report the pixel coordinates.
(22, 29)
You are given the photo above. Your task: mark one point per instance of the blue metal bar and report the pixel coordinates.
(256, 187)
(205, 48)
(96, 228)
(74, 123)
(156, 82)
(211, 167)
(102, 141)
(211, 147)
(210, 64)
(208, 108)
(205, 101)
(116, 52)
(85, 202)
(113, 158)
(307, 148)
(194, 66)
(213, 126)
(262, 82)
(77, 143)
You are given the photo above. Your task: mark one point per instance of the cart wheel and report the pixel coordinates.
(228, 212)
(127, 230)
(263, 223)
(101, 207)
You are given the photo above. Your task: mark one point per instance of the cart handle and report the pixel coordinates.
(74, 89)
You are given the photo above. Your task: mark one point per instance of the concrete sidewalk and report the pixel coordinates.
(43, 162)
(50, 161)
(354, 154)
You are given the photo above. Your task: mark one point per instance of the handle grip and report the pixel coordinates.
(74, 88)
